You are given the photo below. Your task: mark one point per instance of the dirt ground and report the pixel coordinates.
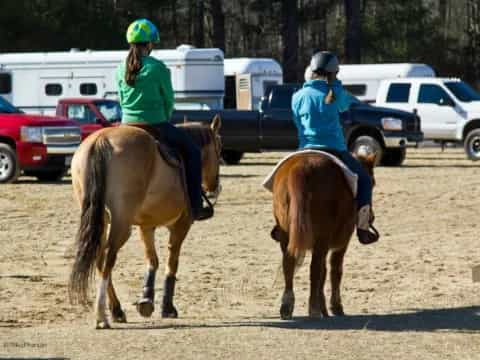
(410, 296)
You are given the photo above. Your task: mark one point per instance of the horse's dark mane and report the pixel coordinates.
(201, 134)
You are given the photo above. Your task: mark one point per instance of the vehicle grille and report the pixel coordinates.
(413, 125)
(61, 135)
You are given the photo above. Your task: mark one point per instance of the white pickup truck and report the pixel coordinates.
(449, 109)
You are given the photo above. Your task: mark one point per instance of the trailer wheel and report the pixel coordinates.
(232, 157)
(394, 157)
(368, 144)
(9, 167)
(472, 144)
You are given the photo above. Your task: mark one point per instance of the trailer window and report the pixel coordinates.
(356, 89)
(53, 89)
(88, 89)
(5, 83)
(398, 93)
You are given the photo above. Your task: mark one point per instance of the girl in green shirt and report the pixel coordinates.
(146, 96)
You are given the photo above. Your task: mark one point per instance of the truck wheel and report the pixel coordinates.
(47, 175)
(393, 157)
(472, 145)
(232, 157)
(9, 167)
(369, 145)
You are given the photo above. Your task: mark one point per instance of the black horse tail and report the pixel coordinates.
(92, 220)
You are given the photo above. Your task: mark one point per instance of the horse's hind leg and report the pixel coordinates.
(317, 306)
(336, 272)
(178, 232)
(288, 297)
(145, 305)
(119, 234)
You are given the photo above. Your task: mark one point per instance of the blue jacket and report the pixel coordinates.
(318, 124)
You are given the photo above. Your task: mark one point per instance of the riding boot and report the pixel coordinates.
(366, 233)
(203, 212)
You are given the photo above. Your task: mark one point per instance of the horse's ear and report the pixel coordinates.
(185, 120)
(216, 124)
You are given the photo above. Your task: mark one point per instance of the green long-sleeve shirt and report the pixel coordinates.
(151, 98)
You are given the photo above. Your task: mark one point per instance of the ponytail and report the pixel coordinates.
(330, 98)
(134, 62)
(320, 74)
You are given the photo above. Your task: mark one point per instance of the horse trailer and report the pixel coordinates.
(248, 79)
(363, 80)
(34, 82)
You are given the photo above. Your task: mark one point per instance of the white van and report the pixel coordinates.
(247, 79)
(34, 82)
(364, 80)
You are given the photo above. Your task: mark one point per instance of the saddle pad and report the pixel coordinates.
(350, 176)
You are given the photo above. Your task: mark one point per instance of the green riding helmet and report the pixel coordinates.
(142, 31)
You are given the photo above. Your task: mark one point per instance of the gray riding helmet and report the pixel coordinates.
(324, 61)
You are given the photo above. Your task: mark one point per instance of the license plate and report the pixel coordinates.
(68, 160)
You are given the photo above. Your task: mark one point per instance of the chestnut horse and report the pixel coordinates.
(120, 178)
(315, 210)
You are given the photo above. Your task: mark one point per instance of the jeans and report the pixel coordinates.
(364, 183)
(192, 156)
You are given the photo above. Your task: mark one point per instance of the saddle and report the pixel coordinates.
(350, 176)
(171, 155)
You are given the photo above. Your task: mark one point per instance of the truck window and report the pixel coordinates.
(433, 94)
(462, 91)
(53, 89)
(88, 89)
(81, 113)
(281, 98)
(356, 89)
(398, 93)
(5, 83)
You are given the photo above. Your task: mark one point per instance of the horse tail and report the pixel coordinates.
(300, 231)
(92, 220)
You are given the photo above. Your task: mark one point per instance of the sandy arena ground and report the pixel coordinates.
(411, 296)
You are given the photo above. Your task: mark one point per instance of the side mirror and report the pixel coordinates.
(446, 102)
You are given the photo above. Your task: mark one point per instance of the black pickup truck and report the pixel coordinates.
(383, 131)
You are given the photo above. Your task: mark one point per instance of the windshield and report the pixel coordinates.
(111, 110)
(462, 91)
(7, 108)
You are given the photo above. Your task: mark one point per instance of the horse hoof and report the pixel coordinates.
(169, 312)
(145, 307)
(102, 325)
(286, 311)
(337, 311)
(119, 317)
(317, 314)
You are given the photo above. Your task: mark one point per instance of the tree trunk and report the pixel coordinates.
(290, 40)
(353, 31)
(198, 21)
(218, 18)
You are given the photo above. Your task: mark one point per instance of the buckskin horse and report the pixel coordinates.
(120, 179)
(315, 210)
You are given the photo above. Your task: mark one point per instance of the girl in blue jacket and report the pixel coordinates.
(316, 108)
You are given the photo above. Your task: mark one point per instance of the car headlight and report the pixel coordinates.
(391, 123)
(32, 134)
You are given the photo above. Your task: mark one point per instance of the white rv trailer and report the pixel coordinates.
(35, 81)
(247, 79)
(363, 80)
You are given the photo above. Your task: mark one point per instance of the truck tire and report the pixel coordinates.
(472, 144)
(9, 167)
(232, 157)
(393, 157)
(368, 144)
(47, 175)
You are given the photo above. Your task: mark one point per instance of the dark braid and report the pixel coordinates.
(134, 62)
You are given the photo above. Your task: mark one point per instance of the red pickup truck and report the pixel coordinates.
(35, 145)
(91, 114)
